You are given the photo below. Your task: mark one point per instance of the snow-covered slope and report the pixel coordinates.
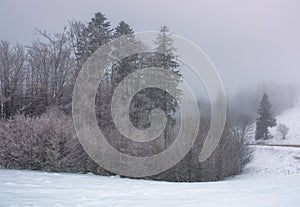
(290, 118)
(269, 160)
(277, 160)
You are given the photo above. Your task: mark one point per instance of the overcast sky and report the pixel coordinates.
(248, 41)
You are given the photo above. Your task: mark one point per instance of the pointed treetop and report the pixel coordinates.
(164, 42)
(99, 19)
(98, 32)
(123, 29)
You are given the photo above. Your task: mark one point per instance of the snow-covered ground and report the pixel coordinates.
(29, 188)
(272, 179)
(291, 118)
(277, 161)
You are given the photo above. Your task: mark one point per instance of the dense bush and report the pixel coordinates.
(228, 159)
(48, 142)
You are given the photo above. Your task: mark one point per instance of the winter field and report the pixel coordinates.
(272, 178)
(27, 188)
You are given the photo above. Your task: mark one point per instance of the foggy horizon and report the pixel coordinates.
(248, 42)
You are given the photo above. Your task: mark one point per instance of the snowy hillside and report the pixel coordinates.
(269, 160)
(290, 118)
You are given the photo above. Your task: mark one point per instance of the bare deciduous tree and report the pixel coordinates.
(12, 61)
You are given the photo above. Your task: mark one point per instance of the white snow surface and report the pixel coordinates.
(290, 118)
(273, 161)
(271, 179)
(30, 188)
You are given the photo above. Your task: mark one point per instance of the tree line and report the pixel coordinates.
(36, 85)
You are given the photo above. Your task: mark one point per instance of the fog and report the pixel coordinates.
(248, 41)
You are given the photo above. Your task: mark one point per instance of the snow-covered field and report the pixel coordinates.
(272, 179)
(28, 188)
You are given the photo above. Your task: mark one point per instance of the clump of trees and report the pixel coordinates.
(36, 84)
(37, 76)
(48, 142)
(266, 118)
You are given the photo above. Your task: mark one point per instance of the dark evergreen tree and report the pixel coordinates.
(86, 39)
(118, 71)
(266, 118)
(99, 32)
(148, 99)
(122, 29)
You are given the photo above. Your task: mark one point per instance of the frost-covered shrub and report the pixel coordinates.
(47, 142)
(228, 159)
(283, 129)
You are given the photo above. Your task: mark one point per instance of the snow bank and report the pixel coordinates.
(30, 188)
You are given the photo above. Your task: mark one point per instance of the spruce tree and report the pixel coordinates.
(88, 38)
(120, 70)
(122, 29)
(165, 53)
(99, 32)
(266, 118)
(163, 56)
(166, 59)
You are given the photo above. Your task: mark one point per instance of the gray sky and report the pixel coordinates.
(248, 41)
